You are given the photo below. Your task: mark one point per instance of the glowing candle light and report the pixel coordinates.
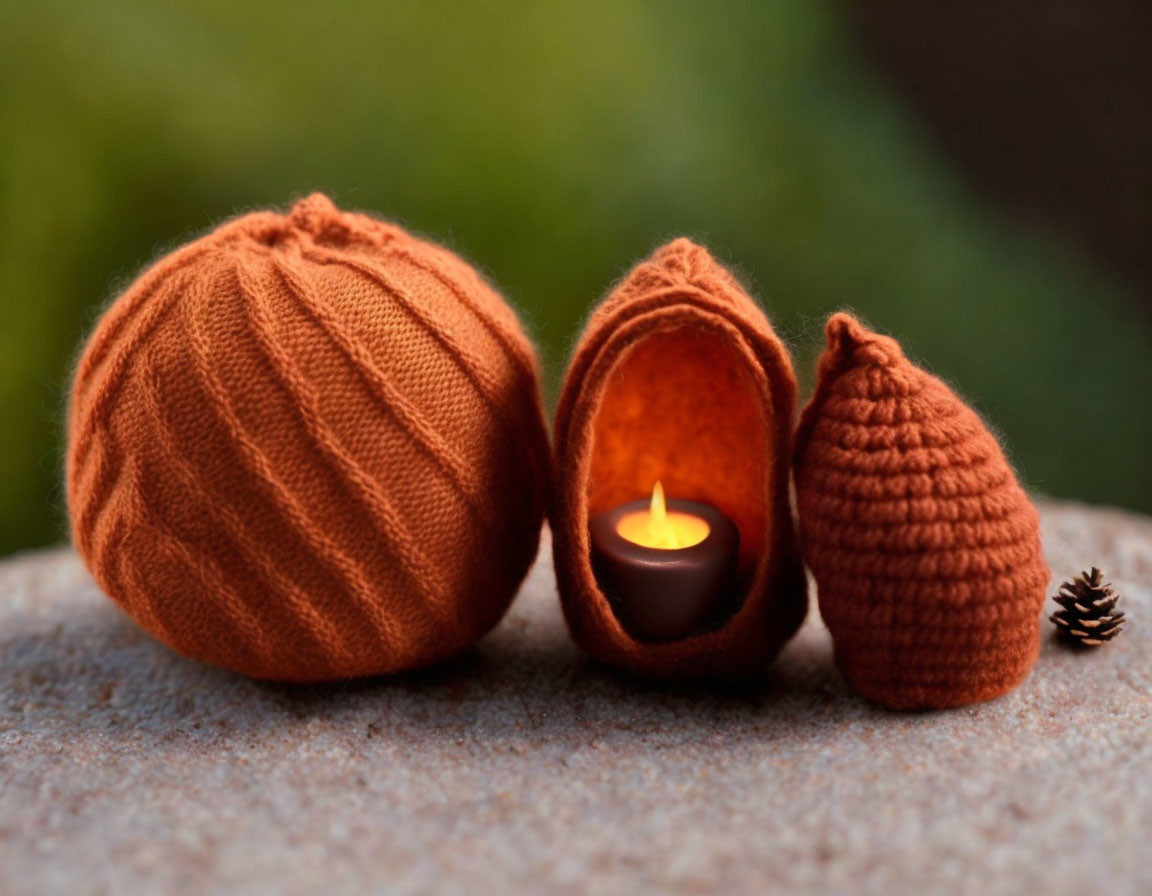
(657, 528)
(667, 566)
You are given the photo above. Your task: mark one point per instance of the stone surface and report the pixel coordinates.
(523, 767)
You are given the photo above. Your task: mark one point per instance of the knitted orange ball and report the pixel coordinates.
(925, 550)
(308, 447)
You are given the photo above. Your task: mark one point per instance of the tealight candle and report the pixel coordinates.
(667, 566)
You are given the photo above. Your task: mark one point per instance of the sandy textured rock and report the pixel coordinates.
(524, 766)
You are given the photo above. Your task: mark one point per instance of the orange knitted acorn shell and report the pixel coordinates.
(679, 377)
(308, 447)
(925, 549)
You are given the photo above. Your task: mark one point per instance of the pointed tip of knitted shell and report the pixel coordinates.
(684, 258)
(309, 446)
(925, 550)
(677, 268)
(679, 377)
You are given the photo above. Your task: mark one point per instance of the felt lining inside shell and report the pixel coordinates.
(683, 406)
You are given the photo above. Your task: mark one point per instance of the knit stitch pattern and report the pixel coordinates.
(678, 376)
(308, 447)
(925, 549)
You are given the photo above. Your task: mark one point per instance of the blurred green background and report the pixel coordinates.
(553, 144)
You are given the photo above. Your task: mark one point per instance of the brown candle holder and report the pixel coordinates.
(664, 594)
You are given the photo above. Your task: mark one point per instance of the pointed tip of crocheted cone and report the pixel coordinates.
(849, 340)
(851, 346)
(842, 326)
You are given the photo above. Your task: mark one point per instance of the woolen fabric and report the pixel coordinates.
(678, 376)
(308, 447)
(925, 549)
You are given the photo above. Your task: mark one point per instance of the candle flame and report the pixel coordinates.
(656, 527)
(658, 508)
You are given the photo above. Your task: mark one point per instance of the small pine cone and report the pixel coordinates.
(1089, 615)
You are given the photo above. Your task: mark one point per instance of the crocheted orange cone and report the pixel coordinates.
(679, 377)
(307, 447)
(925, 550)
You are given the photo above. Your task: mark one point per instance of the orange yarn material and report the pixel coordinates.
(679, 377)
(308, 447)
(925, 549)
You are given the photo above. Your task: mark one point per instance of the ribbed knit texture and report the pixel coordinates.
(308, 447)
(925, 550)
(679, 376)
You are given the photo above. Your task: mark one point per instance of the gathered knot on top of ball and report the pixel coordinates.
(309, 447)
